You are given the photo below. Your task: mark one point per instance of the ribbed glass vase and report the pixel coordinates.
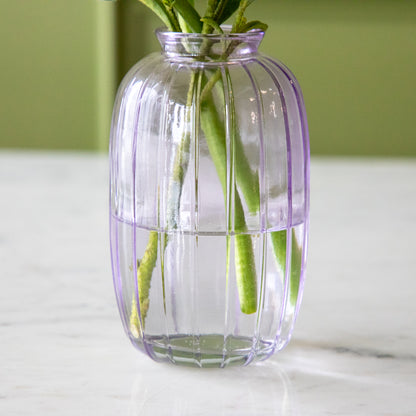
(209, 201)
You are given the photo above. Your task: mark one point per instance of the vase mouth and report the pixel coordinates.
(210, 47)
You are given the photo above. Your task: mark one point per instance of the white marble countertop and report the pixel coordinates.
(63, 350)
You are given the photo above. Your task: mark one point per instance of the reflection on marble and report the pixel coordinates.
(63, 350)
(258, 390)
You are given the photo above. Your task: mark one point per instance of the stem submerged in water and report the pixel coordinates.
(279, 239)
(144, 276)
(148, 262)
(244, 256)
(214, 131)
(203, 105)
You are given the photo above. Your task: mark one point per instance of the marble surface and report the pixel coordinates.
(63, 350)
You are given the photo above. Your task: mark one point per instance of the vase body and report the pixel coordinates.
(209, 201)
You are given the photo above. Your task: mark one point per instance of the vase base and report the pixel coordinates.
(212, 350)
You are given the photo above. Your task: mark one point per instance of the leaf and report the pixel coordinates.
(185, 28)
(226, 10)
(254, 24)
(189, 15)
(159, 9)
(182, 23)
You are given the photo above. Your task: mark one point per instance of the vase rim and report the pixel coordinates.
(252, 34)
(186, 45)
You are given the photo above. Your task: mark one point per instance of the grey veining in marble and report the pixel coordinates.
(63, 350)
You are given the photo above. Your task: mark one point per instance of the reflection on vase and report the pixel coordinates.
(182, 392)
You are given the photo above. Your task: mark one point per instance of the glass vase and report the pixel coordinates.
(209, 200)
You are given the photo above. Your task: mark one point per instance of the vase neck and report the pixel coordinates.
(210, 48)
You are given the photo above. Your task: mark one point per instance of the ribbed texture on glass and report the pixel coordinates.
(209, 203)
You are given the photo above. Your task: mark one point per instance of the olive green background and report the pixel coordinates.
(62, 60)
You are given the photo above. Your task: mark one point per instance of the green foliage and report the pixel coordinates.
(191, 18)
(181, 15)
(254, 24)
(161, 10)
(226, 9)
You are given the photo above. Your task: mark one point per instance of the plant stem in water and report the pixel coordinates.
(144, 275)
(279, 239)
(244, 256)
(148, 261)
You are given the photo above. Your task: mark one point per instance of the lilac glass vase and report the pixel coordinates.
(209, 201)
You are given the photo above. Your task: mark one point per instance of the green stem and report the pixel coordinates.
(215, 135)
(144, 276)
(244, 257)
(181, 162)
(247, 180)
(279, 239)
(244, 261)
(249, 185)
(148, 261)
(171, 14)
(239, 18)
(209, 14)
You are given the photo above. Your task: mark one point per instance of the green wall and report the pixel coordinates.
(356, 63)
(55, 73)
(355, 60)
